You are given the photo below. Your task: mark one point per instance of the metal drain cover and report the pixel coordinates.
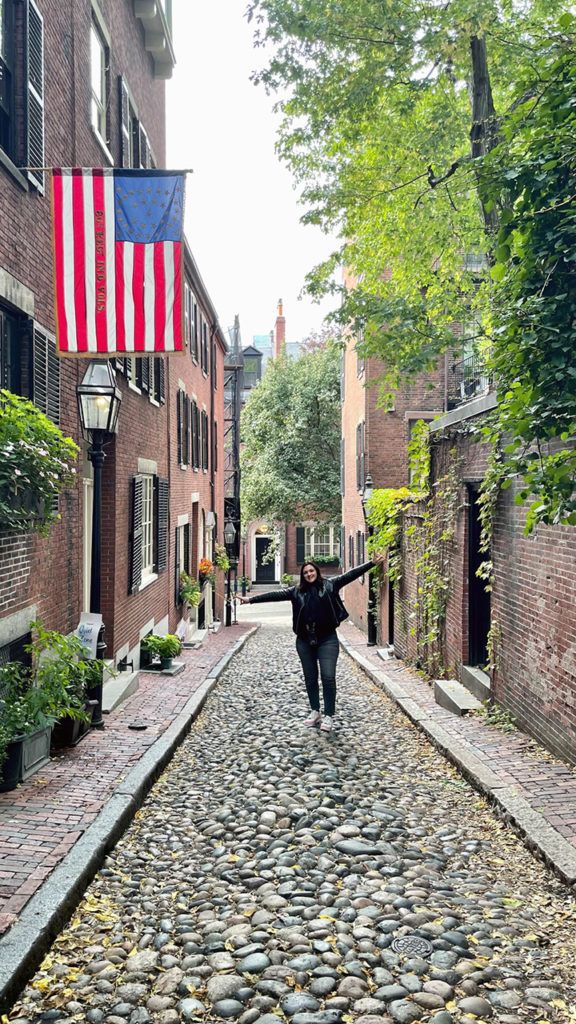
(412, 945)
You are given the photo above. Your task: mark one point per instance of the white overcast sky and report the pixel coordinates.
(242, 214)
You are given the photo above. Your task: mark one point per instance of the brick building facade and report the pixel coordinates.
(83, 85)
(375, 442)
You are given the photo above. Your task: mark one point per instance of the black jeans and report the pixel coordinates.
(325, 655)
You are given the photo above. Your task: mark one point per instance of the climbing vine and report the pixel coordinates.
(433, 567)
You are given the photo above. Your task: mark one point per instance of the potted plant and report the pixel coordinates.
(164, 647)
(221, 559)
(206, 571)
(190, 592)
(34, 697)
(245, 582)
(35, 465)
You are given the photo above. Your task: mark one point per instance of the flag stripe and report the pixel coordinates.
(169, 286)
(90, 261)
(79, 243)
(120, 297)
(149, 297)
(128, 294)
(160, 340)
(100, 231)
(61, 322)
(112, 341)
(138, 296)
(178, 311)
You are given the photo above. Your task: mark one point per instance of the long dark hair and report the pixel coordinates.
(318, 582)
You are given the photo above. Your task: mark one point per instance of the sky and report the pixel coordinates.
(242, 213)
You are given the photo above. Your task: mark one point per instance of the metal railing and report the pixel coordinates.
(467, 379)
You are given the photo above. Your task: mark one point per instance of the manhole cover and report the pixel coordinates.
(412, 945)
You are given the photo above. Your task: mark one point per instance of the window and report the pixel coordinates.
(204, 439)
(194, 331)
(360, 456)
(214, 445)
(135, 148)
(195, 436)
(147, 525)
(213, 357)
(322, 541)
(351, 552)
(182, 557)
(251, 370)
(360, 549)
(99, 65)
(204, 347)
(148, 541)
(22, 86)
(7, 76)
(29, 365)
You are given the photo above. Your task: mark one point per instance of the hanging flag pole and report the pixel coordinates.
(118, 261)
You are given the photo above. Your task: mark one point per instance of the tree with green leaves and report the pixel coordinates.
(388, 109)
(290, 436)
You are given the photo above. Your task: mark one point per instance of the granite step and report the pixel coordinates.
(451, 695)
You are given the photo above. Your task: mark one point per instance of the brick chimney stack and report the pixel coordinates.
(279, 331)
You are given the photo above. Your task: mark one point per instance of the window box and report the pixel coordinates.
(25, 755)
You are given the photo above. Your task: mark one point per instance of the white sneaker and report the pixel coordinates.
(327, 724)
(313, 719)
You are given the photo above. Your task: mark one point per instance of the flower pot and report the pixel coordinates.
(69, 731)
(24, 756)
(166, 663)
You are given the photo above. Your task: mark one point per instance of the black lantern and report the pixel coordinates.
(367, 492)
(99, 400)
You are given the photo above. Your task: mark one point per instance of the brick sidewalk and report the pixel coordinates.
(42, 819)
(515, 761)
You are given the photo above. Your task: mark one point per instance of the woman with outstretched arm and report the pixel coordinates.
(317, 611)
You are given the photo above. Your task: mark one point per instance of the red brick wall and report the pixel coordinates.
(532, 606)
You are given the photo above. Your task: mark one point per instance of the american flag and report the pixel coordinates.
(118, 260)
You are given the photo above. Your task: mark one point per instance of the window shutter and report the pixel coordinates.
(187, 547)
(343, 465)
(300, 540)
(143, 147)
(185, 429)
(45, 375)
(351, 551)
(195, 439)
(188, 432)
(145, 375)
(35, 95)
(135, 540)
(124, 123)
(214, 446)
(179, 425)
(342, 547)
(213, 369)
(161, 501)
(177, 566)
(161, 380)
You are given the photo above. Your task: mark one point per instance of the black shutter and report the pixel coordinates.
(45, 375)
(179, 425)
(145, 375)
(161, 510)
(135, 540)
(188, 432)
(143, 147)
(213, 369)
(161, 380)
(195, 446)
(35, 95)
(300, 542)
(214, 446)
(124, 123)
(187, 548)
(177, 566)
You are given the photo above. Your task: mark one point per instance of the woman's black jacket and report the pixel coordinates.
(330, 593)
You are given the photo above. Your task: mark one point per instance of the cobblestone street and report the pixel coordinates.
(272, 868)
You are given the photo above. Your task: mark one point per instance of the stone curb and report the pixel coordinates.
(24, 945)
(539, 836)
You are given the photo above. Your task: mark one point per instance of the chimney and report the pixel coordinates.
(279, 331)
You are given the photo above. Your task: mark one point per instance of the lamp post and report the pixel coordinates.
(367, 493)
(229, 538)
(99, 400)
(244, 564)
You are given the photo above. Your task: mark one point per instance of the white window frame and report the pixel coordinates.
(99, 97)
(147, 526)
(314, 546)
